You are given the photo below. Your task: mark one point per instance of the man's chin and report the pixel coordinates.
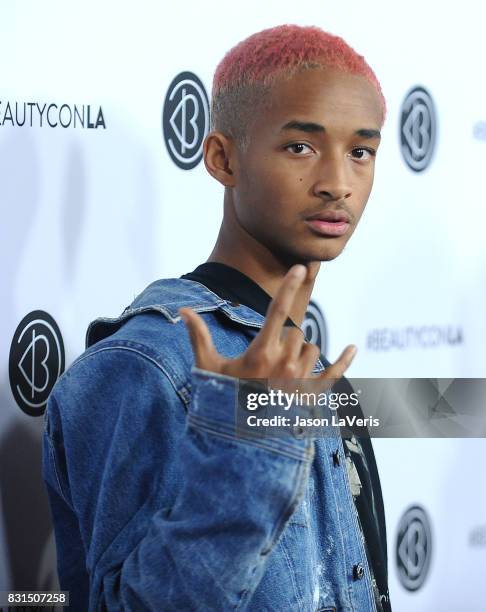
(306, 258)
(308, 255)
(325, 251)
(325, 255)
(330, 256)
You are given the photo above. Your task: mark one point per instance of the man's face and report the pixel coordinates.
(303, 182)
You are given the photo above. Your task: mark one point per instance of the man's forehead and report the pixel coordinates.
(320, 97)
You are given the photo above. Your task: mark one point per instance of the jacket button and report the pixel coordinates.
(298, 432)
(358, 571)
(335, 458)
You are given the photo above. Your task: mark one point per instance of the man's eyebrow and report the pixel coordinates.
(303, 126)
(309, 127)
(367, 133)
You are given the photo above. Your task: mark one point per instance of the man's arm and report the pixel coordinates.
(121, 442)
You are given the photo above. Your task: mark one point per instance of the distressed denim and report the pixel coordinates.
(158, 505)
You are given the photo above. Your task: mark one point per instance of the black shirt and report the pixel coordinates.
(234, 286)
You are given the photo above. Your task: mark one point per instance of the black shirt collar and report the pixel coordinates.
(233, 286)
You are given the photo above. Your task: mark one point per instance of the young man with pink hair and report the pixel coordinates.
(162, 505)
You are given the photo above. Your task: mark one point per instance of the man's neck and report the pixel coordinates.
(264, 268)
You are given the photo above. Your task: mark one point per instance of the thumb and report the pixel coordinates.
(200, 336)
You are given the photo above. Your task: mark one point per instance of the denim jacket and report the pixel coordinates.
(158, 505)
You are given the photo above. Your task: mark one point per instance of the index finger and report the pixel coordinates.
(279, 308)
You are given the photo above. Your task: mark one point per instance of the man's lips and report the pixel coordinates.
(329, 223)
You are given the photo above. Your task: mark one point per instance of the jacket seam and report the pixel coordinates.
(219, 299)
(234, 429)
(56, 473)
(301, 457)
(137, 351)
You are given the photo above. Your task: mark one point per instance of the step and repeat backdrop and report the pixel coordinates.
(103, 110)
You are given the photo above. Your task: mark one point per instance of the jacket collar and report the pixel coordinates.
(166, 296)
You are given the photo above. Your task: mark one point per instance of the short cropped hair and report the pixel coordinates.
(247, 72)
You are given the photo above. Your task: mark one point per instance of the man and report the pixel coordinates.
(157, 503)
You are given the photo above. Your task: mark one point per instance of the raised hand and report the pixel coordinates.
(276, 352)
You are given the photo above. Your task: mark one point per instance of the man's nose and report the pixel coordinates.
(332, 181)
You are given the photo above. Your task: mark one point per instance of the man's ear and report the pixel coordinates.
(220, 158)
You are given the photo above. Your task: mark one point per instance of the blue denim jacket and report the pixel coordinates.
(158, 505)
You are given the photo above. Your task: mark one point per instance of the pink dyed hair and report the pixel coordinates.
(246, 72)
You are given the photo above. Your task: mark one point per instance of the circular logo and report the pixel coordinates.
(314, 327)
(185, 120)
(413, 548)
(36, 361)
(418, 126)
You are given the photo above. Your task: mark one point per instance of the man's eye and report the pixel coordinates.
(298, 147)
(363, 153)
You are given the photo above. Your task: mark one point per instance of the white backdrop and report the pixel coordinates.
(91, 216)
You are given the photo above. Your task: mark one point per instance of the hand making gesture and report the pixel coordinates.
(276, 352)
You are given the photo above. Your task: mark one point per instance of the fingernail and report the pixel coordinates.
(299, 271)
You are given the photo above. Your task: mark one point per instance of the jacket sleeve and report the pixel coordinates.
(176, 511)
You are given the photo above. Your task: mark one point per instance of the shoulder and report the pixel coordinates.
(150, 340)
(152, 321)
